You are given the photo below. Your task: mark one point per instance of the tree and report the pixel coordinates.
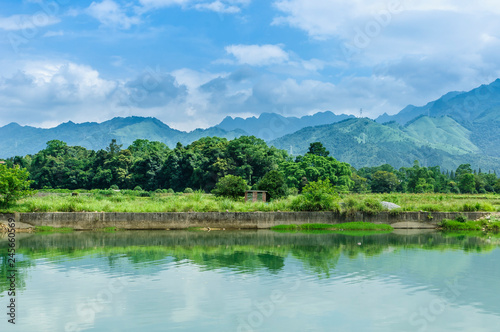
(496, 187)
(384, 182)
(360, 185)
(318, 149)
(274, 183)
(466, 180)
(114, 147)
(467, 183)
(14, 184)
(315, 168)
(230, 186)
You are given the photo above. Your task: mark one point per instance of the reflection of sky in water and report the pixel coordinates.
(398, 289)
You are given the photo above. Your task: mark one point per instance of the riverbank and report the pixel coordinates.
(228, 220)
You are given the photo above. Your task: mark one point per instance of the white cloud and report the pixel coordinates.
(109, 13)
(25, 22)
(258, 55)
(218, 7)
(163, 3)
(325, 18)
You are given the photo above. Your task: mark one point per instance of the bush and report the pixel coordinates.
(138, 188)
(316, 196)
(170, 191)
(114, 187)
(230, 186)
(14, 184)
(188, 191)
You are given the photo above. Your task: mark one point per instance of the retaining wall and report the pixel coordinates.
(228, 220)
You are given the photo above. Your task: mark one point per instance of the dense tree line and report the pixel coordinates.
(201, 164)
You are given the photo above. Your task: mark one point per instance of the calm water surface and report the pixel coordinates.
(254, 281)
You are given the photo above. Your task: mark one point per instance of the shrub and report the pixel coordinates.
(114, 187)
(14, 184)
(316, 196)
(230, 186)
(188, 191)
(138, 188)
(170, 191)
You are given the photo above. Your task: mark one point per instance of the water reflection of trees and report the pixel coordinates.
(21, 265)
(245, 251)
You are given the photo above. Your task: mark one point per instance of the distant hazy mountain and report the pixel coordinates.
(269, 126)
(478, 105)
(460, 127)
(21, 140)
(363, 142)
(477, 110)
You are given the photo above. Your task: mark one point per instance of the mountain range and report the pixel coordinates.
(459, 127)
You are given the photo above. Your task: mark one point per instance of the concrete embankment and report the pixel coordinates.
(228, 220)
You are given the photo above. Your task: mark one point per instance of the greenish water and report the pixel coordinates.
(254, 281)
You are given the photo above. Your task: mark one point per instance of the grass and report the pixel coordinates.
(50, 229)
(349, 226)
(136, 201)
(459, 224)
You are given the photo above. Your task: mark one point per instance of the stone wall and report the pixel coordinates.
(228, 220)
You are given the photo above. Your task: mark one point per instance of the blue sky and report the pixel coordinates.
(190, 63)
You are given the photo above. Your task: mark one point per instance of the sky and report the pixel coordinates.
(190, 63)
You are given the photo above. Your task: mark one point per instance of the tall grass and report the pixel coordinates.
(136, 201)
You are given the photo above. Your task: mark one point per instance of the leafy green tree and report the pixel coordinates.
(14, 184)
(318, 149)
(274, 183)
(251, 158)
(230, 186)
(496, 187)
(314, 168)
(463, 169)
(467, 183)
(384, 182)
(360, 184)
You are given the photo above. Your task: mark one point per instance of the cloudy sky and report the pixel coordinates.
(190, 63)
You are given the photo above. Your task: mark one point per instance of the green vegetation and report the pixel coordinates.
(461, 224)
(317, 196)
(164, 201)
(50, 229)
(350, 226)
(150, 177)
(274, 183)
(14, 184)
(208, 163)
(230, 186)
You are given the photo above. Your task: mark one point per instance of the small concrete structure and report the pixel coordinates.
(255, 195)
